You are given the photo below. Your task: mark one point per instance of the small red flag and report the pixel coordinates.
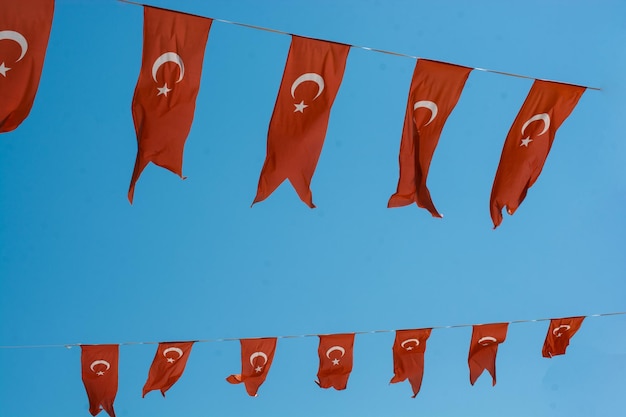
(408, 357)
(99, 364)
(483, 349)
(528, 143)
(435, 90)
(559, 334)
(24, 32)
(256, 359)
(165, 95)
(311, 80)
(335, 353)
(168, 366)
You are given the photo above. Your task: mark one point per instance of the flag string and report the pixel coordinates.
(366, 48)
(234, 339)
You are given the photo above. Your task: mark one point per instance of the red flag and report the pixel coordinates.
(24, 32)
(483, 349)
(256, 359)
(435, 90)
(408, 357)
(559, 334)
(528, 143)
(99, 364)
(312, 76)
(168, 365)
(165, 95)
(335, 353)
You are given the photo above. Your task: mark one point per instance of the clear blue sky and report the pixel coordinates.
(192, 260)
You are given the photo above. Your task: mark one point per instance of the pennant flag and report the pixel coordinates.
(165, 95)
(256, 359)
(99, 364)
(435, 90)
(311, 80)
(528, 143)
(559, 334)
(24, 31)
(168, 366)
(408, 357)
(335, 353)
(483, 349)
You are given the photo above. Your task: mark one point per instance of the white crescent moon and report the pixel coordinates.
(309, 76)
(565, 327)
(168, 57)
(256, 355)
(99, 362)
(17, 37)
(173, 349)
(334, 348)
(417, 342)
(486, 340)
(543, 116)
(430, 105)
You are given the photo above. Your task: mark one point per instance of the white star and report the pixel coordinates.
(409, 348)
(171, 360)
(258, 369)
(4, 69)
(99, 373)
(335, 361)
(526, 141)
(300, 107)
(164, 90)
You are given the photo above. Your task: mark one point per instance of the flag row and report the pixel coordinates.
(164, 102)
(99, 363)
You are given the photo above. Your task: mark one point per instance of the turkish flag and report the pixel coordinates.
(408, 357)
(483, 349)
(311, 80)
(24, 32)
(256, 359)
(435, 90)
(168, 365)
(165, 95)
(528, 143)
(335, 353)
(559, 334)
(99, 364)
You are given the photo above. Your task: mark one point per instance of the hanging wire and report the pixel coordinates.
(366, 48)
(234, 339)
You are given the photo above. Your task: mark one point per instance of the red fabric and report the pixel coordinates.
(559, 334)
(483, 349)
(408, 357)
(528, 143)
(256, 359)
(99, 365)
(335, 353)
(24, 32)
(168, 365)
(435, 90)
(311, 80)
(165, 95)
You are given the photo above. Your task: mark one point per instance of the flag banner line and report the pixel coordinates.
(236, 339)
(366, 48)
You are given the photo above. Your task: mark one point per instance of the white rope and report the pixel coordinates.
(366, 48)
(232, 339)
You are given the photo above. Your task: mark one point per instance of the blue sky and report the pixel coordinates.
(192, 260)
